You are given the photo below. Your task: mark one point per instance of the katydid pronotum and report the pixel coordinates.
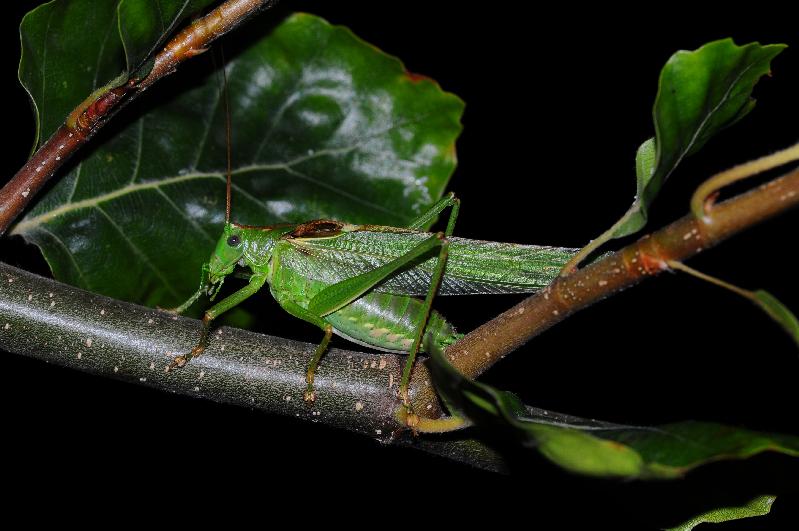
(361, 281)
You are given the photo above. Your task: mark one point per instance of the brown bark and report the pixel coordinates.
(94, 112)
(486, 345)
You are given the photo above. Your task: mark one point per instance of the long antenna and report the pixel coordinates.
(228, 136)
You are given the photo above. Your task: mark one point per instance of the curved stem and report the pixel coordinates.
(705, 194)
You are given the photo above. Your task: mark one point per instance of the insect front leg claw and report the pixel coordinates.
(183, 359)
(309, 395)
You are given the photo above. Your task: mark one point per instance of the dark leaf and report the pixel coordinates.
(72, 47)
(700, 93)
(599, 448)
(324, 126)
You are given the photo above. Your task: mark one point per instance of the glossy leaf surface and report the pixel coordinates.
(324, 126)
(700, 93)
(72, 47)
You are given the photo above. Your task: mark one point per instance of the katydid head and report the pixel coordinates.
(228, 252)
(245, 245)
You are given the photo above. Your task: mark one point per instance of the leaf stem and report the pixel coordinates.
(679, 266)
(572, 265)
(704, 196)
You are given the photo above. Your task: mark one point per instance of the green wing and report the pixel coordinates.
(473, 267)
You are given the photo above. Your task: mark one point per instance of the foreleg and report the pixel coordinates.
(231, 301)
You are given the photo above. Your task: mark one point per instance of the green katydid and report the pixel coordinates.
(361, 281)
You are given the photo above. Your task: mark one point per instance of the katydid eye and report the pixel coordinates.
(234, 241)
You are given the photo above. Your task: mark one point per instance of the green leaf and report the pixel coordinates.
(778, 311)
(672, 450)
(598, 448)
(324, 125)
(61, 64)
(700, 93)
(759, 506)
(72, 47)
(645, 159)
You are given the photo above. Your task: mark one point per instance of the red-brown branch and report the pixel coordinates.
(93, 113)
(489, 343)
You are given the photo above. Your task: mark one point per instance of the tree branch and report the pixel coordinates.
(60, 324)
(47, 320)
(486, 345)
(93, 113)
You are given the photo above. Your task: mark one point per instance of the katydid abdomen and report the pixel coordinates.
(378, 320)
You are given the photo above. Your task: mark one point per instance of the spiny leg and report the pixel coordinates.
(197, 294)
(429, 216)
(310, 393)
(183, 359)
(338, 295)
(298, 311)
(435, 282)
(256, 282)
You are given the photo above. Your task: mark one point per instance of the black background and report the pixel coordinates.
(558, 99)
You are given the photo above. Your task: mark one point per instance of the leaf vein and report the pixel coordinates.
(71, 256)
(208, 124)
(191, 221)
(91, 202)
(143, 257)
(140, 140)
(100, 55)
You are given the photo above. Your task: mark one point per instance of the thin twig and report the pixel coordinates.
(94, 112)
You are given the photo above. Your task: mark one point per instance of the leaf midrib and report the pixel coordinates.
(30, 224)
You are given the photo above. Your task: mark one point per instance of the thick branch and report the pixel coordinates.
(489, 343)
(96, 110)
(47, 320)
